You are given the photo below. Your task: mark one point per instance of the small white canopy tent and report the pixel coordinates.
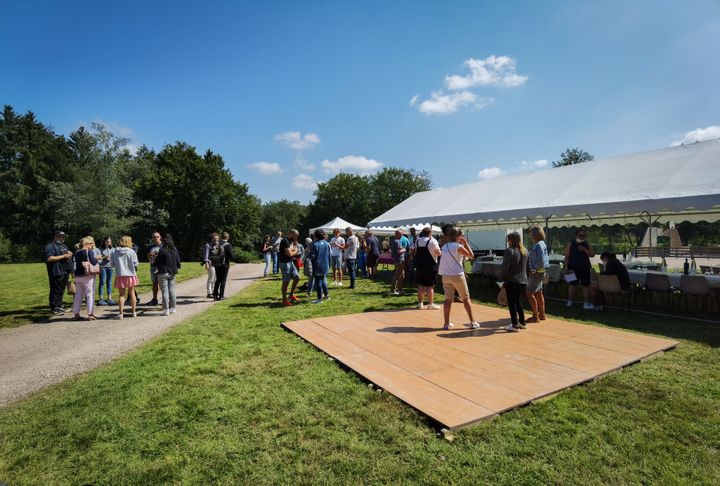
(419, 227)
(338, 223)
(382, 230)
(679, 183)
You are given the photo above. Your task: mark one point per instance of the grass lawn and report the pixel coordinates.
(25, 297)
(229, 397)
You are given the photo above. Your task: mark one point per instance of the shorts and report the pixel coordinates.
(583, 276)
(288, 270)
(371, 260)
(426, 277)
(126, 282)
(535, 282)
(153, 275)
(455, 283)
(336, 261)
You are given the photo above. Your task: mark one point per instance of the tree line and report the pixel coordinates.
(90, 183)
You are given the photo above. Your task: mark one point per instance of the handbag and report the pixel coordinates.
(569, 277)
(71, 287)
(502, 297)
(90, 269)
(298, 263)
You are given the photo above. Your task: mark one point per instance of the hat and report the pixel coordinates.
(60, 233)
(308, 240)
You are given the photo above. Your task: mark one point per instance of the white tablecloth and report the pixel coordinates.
(639, 276)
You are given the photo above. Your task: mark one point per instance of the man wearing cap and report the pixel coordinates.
(58, 259)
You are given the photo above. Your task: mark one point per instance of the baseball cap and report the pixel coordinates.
(60, 233)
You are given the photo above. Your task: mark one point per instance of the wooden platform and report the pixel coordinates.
(462, 376)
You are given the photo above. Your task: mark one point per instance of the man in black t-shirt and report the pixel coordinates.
(222, 267)
(58, 259)
(286, 256)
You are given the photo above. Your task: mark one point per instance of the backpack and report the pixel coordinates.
(217, 255)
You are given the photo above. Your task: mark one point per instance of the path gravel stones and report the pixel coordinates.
(35, 356)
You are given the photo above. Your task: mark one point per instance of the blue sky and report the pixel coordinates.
(310, 88)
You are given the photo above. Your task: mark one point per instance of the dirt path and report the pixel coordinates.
(35, 356)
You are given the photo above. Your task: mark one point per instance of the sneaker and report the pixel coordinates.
(569, 303)
(166, 312)
(58, 311)
(448, 326)
(588, 306)
(153, 302)
(475, 325)
(111, 302)
(210, 296)
(420, 306)
(172, 310)
(433, 307)
(532, 320)
(512, 328)
(394, 292)
(287, 303)
(102, 302)
(522, 326)
(542, 317)
(119, 317)
(317, 301)
(134, 314)
(293, 298)
(91, 317)
(327, 297)
(339, 284)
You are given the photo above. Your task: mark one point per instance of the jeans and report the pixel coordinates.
(351, 271)
(321, 286)
(514, 291)
(105, 282)
(219, 289)
(167, 287)
(275, 261)
(361, 263)
(311, 284)
(268, 261)
(58, 283)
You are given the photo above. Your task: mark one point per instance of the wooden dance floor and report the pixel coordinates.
(463, 376)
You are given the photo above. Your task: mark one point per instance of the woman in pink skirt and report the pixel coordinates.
(125, 263)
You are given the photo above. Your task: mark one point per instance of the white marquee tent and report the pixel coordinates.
(338, 223)
(679, 183)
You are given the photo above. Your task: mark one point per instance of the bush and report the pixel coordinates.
(5, 249)
(245, 256)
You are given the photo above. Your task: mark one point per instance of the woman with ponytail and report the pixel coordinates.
(514, 272)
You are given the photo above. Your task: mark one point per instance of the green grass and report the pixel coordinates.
(229, 397)
(25, 296)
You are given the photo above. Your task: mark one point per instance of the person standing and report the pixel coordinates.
(266, 249)
(577, 259)
(106, 271)
(58, 260)
(168, 264)
(372, 250)
(337, 243)
(399, 250)
(452, 269)
(308, 266)
(84, 279)
(153, 251)
(538, 263)
(350, 254)
(426, 252)
(362, 256)
(320, 256)
(211, 276)
(410, 259)
(125, 262)
(220, 256)
(288, 253)
(275, 251)
(514, 272)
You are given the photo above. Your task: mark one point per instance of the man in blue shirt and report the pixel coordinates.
(399, 250)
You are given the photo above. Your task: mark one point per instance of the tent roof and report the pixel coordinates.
(679, 183)
(338, 223)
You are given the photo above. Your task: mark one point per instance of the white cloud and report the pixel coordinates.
(266, 168)
(351, 163)
(298, 141)
(414, 100)
(491, 173)
(491, 71)
(304, 181)
(699, 135)
(443, 103)
(537, 164)
(302, 164)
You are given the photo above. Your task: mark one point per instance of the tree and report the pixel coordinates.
(572, 156)
(392, 185)
(282, 216)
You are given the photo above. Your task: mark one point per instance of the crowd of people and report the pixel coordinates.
(423, 258)
(111, 267)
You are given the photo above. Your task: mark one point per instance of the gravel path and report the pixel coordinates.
(35, 356)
